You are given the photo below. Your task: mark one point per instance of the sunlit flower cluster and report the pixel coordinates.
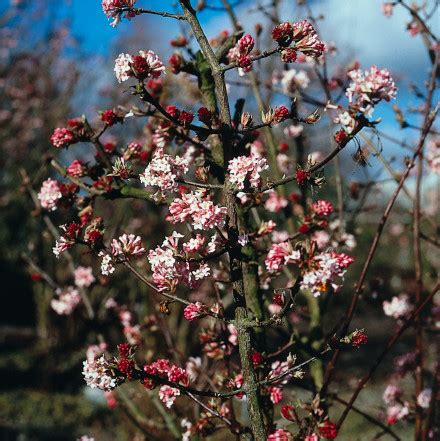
(99, 374)
(145, 65)
(164, 171)
(246, 170)
(324, 269)
(197, 209)
(49, 195)
(65, 301)
(368, 88)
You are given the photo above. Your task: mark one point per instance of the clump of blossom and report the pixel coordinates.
(239, 54)
(107, 265)
(194, 311)
(387, 9)
(391, 394)
(328, 430)
(128, 245)
(195, 244)
(275, 203)
(162, 368)
(293, 79)
(164, 170)
(302, 34)
(83, 277)
(424, 398)
(145, 65)
(368, 88)
(99, 374)
(76, 169)
(246, 170)
(168, 395)
(71, 232)
(275, 116)
(322, 208)
(323, 269)
(398, 307)
(293, 131)
(195, 208)
(49, 194)
(396, 413)
(62, 137)
(169, 270)
(280, 435)
(66, 300)
(114, 9)
(281, 254)
(433, 155)
(275, 394)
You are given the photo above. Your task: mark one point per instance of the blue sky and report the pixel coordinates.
(357, 27)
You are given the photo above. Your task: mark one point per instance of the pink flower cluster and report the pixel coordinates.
(275, 203)
(369, 87)
(304, 37)
(112, 9)
(281, 254)
(62, 137)
(280, 435)
(98, 374)
(49, 194)
(162, 368)
(322, 208)
(324, 268)
(66, 300)
(169, 270)
(164, 170)
(194, 310)
(83, 277)
(195, 208)
(128, 245)
(145, 65)
(246, 168)
(399, 306)
(239, 54)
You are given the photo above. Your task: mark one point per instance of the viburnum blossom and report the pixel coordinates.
(281, 254)
(128, 245)
(433, 155)
(239, 54)
(83, 276)
(62, 137)
(312, 437)
(324, 268)
(98, 374)
(280, 435)
(302, 34)
(391, 394)
(195, 244)
(145, 65)
(369, 87)
(275, 202)
(328, 430)
(76, 169)
(397, 412)
(168, 270)
(424, 398)
(398, 307)
(113, 9)
(292, 79)
(322, 208)
(168, 395)
(245, 170)
(66, 300)
(197, 209)
(275, 394)
(107, 266)
(49, 194)
(164, 170)
(71, 232)
(194, 310)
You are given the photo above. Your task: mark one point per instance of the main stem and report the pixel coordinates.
(244, 274)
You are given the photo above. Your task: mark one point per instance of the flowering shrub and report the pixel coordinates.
(249, 253)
